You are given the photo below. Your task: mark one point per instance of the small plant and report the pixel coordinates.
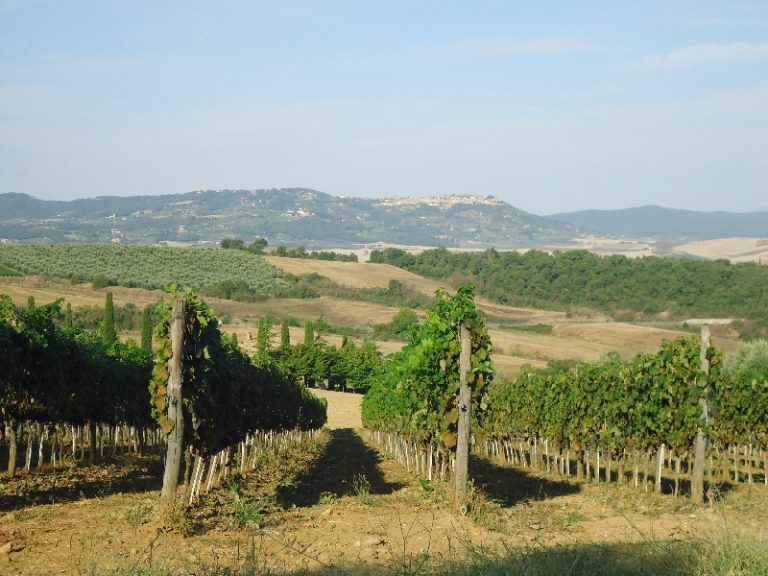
(426, 485)
(483, 510)
(328, 498)
(249, 512)
(569, 519)
(362, 488)
(235, 484)
(141, 513)
(177, 520)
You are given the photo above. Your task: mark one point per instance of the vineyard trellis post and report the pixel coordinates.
(465, 404)
(175, 408)
(702, 438)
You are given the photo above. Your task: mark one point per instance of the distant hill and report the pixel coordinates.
(667, 223)
(300, 216)
(292, 216)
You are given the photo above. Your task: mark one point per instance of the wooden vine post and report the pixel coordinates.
(175, 448)
(465, 404)
(702, 439)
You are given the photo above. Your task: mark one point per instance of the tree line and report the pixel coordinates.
(627, 288)
(259, 246)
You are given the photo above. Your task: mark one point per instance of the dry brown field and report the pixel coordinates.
(733, 249)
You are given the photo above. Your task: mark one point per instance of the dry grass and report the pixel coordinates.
(570, 339)
(343, 408)
(47, 290)
(356, 274)
(733, 249)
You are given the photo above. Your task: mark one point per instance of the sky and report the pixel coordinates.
(551, 106)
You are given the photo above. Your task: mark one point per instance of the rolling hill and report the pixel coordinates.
(291, 217)
(667, 223)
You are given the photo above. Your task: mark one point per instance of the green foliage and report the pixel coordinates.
(5, 271)
(30, 302)
(100, 280)
(226, 395)
(313, 285)
(232, 244)
(362, 487)
(301, 252)
(632, 405)
(631, 287)
(533, 328)
(146, 328)
(285, 335)
(263, 336)
(350, 367)
(309, 334)
(66, 375)
(144, 266)
(741, 403)
(92, 317)
(233, 290)
(416, 392)
(399, 326)
(258, 246)
(108, 331)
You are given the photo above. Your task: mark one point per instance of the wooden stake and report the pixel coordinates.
(465, 404)
(175, 412)
(700, 447)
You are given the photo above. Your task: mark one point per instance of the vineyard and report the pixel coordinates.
(57, 381)
(242, 437)
(143, 266)
(598, 421)
(53, 380)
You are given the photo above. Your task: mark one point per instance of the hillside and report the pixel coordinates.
(577, 338)
(293, 216)
(667, 223)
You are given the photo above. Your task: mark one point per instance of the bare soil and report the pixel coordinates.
(337, 502)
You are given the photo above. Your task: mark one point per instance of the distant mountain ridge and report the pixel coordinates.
(301, 216)
(289, 216)
(668, 223)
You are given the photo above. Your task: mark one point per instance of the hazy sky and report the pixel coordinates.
(552, 106)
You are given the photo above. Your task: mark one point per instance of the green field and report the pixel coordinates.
(143, 266)
(5, 271)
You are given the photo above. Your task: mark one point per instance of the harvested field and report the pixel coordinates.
(733, 249)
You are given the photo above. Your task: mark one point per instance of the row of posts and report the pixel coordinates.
(175, 414)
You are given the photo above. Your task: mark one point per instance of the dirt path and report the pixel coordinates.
(338, 502)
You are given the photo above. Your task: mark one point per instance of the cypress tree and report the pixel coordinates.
(146, 328)
(108, 331)
(68, 322)
(262, 337)
(30, 302)
(309, 334)
(285, 335)
(233, 339)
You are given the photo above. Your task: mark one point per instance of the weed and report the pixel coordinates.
(177, 520)
(483, 510)
(235, 484)
(328, 498)
(140, 513)
(249, 512)
(570, 518)
(362, 487)
(426, 485)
